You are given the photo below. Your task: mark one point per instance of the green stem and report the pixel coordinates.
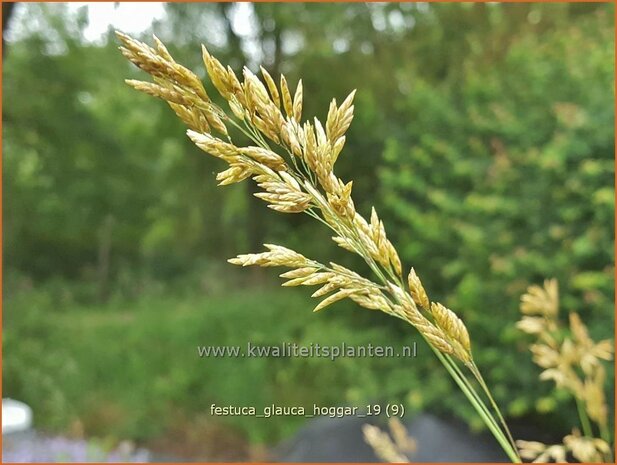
(242, 130)
(604, 433)
(480, 409)
(476, 372)
(471, 388)
(585, 423)
(461, 375)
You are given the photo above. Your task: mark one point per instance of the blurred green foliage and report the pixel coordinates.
(129, 369)
(483, 135)
(501, 176)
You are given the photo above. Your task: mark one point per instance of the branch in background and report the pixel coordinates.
(8, 8)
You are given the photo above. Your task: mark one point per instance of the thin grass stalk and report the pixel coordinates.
(476, 372)
(585, 422)
(481, 409)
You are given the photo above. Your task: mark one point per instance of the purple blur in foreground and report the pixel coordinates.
(34, 448)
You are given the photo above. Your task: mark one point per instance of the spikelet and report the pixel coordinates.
(339, 119)
(213, 146)
(161, 49)
(452, 325)
(283, 193)
(297, 102)
(265, 157)
(274, 93)
(417, 290)
(222, 79)
(161, 92)
(237, 173)
(276, 256)
(434, 335)
(159, 64)
(286, 96)
(345, 243)
(338, 295)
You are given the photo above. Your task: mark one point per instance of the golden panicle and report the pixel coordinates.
(573, 362)
(585, 449)
(293, 164)
(590, 353)
(541, 453)
(593, 395)
(541, 301)
(383, 446)
(401, 437)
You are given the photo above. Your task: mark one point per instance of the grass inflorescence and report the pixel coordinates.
(575, 363)
(292, 161)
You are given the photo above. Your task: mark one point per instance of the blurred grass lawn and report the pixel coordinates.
(133, 367)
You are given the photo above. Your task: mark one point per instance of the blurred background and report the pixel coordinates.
(484, 135)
